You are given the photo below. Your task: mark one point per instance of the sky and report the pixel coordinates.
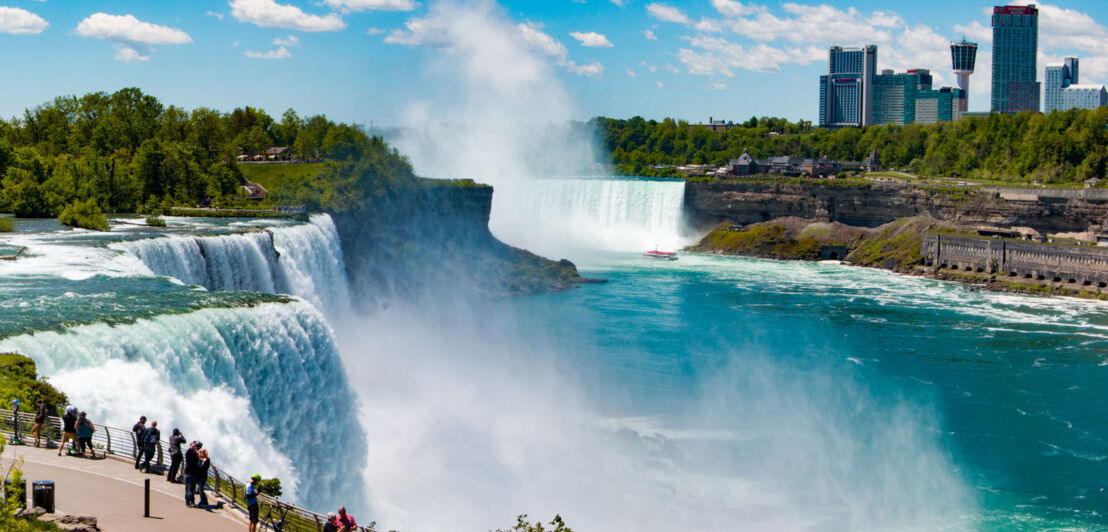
(371, 62)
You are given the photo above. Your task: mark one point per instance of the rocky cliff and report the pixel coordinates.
(434, 238)
(874, 204)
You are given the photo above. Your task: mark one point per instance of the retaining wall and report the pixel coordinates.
(1073, 264)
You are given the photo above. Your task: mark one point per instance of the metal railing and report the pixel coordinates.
(113, 442)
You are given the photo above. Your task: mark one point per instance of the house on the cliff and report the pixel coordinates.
(744, 165)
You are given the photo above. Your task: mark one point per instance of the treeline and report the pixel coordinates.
(1059, 147)
(127, 152)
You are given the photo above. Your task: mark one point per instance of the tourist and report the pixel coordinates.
(17, 427)
(202, 476)
(330, 525)
(40, 420)
(149, 444)
(345, 521)
(84, 434)
(175, 442)
(252, 500)
(139, 431)
(69, 428)
(192, 469)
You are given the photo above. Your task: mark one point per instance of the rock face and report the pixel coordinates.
(426, 240)
(871, 205)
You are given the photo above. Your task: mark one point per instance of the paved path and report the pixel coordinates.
(112, 491)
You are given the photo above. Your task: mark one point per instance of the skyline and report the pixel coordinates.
(380, 61)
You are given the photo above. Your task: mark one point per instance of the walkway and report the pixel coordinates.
(112, 491)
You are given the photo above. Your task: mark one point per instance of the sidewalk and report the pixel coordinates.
(112, 491)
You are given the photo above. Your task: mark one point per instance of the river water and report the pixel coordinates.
(709, 393)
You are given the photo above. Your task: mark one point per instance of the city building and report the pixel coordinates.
(1015, 42)
(963, 56)
(939, 105)
(894, 95)
(1058, 77)
(846, 92)
(1078, 96)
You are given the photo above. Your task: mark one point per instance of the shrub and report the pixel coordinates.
(86, 215)
(6, 225)
(155, 221)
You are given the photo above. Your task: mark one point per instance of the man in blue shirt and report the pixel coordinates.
(252, 500)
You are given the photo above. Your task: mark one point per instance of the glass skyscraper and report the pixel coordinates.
(1058, 77)
(846, 92)
(1015, 43)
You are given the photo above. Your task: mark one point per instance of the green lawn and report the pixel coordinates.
(273, 175)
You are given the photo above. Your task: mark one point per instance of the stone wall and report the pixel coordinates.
(1050, 262)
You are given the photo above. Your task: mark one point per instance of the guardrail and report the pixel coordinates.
(120, 444)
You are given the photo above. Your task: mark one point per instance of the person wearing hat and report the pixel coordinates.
(251, 497)
(69, 428)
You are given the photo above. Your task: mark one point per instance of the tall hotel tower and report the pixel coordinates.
(1015, 43)
(846, 92)
(964, 56)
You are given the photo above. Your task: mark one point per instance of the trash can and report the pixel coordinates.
(42, 495)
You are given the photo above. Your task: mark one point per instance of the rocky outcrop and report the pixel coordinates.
(433, 239)
(874, 204)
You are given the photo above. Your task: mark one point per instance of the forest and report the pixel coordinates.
(127, 152)
(1060, 147)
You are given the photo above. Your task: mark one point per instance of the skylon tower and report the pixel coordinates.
(963, 55)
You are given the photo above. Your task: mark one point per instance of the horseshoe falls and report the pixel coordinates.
(709, 393)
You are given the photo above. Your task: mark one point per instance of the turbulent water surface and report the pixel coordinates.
(708, 393)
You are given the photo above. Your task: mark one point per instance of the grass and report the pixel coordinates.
(272, 176)
(759, 240)
(19, 380)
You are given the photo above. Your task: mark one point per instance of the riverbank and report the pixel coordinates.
(895, 246)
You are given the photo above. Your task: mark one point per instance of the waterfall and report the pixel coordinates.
(263, 388)
(556, 217)
(304, 260)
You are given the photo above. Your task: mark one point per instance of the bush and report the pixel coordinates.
(6, 225)
(155, 221)
(86, 215)
(270, 486)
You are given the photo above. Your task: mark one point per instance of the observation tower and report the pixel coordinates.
(964, 57)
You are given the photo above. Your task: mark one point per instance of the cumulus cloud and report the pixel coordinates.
(976, 32)
(347, 6)
(630, 73)
(134, 39)
(433, 31)
(716, 85)
(667, 13)
(291, 40)
(374, 31)
(130, 30)
(591, 39)
(619, 3)
(129, 55)
(710, 56)
(649, 34)
(20, 21)
(280, 53)
(270, 14)
(213, 14)
(659, 85)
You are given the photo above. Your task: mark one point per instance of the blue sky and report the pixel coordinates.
(367, 61)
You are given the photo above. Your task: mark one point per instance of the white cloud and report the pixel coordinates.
(730, 8)
(716, 85)
(719, 56)
(649, 34)
(374, 31)
(591, 39)
(20, 21)
(280, 53)
(270, 14)
(975, 32)
(130, 30)
(129, 55)
(291, 40)
(213, 14)
(659, 85)
(591, 70)
(347, 6)
(619, 3)
(666, 13)
(630, 73)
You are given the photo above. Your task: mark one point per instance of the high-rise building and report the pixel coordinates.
(894, 95)
(963, 56)
(846, 92)
(1078, 96)
(1058, 77)
(1015, 43)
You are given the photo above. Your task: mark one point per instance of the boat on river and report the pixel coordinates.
(660, 255)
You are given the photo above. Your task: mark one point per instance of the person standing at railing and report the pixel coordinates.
(150, 440)
(192, 470)
(175, 442)
(251, 497)
(84, 434)
(17, 436)
(345, 521)
(139, 432)
(202, 477)
(40, 420)
(69, 428)
(330, 525)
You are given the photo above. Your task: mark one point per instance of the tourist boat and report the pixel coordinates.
(660, 255)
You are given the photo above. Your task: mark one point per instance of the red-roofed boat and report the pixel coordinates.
(660, 255)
